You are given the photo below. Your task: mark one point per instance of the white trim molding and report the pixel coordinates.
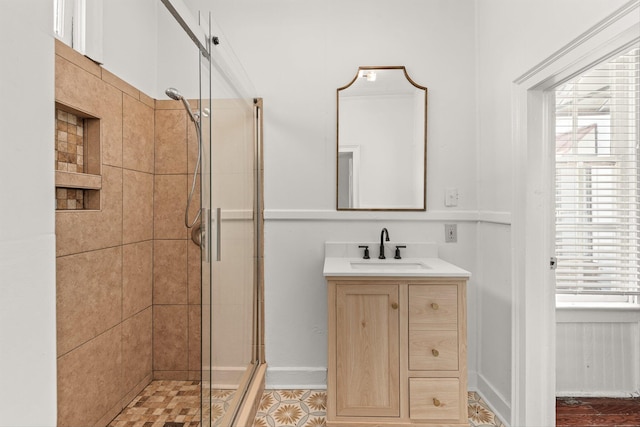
(307, 378)
(533, 310)
(427, 216)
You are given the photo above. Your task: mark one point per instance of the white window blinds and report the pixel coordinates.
(597, 179)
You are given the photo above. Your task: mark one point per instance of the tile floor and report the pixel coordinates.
(306, 408)
(176, 403)
(171, 404)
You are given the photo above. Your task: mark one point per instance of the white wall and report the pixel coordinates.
(27, 236)
(297, 54)
(598, 352)
(130, 49)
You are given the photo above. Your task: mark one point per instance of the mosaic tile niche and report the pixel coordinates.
(77, 176)
(69, 142)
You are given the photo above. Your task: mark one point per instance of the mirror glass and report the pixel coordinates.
(382, 141)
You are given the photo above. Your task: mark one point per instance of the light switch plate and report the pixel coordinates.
(451, 197)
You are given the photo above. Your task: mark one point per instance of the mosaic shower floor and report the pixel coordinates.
(176, 404)
(171, 404)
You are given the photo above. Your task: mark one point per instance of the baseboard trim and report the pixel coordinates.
(494, 399)
(305, 378)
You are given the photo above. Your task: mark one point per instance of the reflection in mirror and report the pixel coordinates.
(382, 141)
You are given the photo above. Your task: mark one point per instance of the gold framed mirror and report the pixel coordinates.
(381, 141)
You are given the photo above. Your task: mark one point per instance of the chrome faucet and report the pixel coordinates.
(382, 233)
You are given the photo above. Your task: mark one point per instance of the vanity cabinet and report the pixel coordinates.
(397, 351)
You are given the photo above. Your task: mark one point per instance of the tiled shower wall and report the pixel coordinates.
(176, 274)
(116, 329)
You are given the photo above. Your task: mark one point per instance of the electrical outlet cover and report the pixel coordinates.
(450, 233)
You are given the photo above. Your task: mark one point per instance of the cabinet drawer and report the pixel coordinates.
(433, 350)
(433, 307)
(434, 398)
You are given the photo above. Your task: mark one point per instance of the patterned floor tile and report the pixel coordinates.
(479, 412)
(299, 408)
(307, 408)
(163, 402)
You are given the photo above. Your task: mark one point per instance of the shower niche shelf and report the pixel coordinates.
(77, 160)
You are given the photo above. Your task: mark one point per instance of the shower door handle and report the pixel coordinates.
(205, 234)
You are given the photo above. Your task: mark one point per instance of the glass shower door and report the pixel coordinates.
(206, 236)
(230, 254)
(233, 266)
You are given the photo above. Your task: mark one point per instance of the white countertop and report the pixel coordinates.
(345, 259)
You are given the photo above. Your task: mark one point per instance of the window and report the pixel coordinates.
(78, 23)
(597, 183)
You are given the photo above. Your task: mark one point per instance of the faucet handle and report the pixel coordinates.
(398, 251)
(366, 251)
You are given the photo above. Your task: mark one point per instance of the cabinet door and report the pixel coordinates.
(367, 350)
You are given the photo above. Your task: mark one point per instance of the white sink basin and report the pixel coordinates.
(344, 259)
(388, 265)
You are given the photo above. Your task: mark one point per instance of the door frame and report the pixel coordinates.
(533, 294)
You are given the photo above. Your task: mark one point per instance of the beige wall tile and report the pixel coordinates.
(90, 380)
(77, 58)
(194, 206)
(87, 93)
(137, 206)
(171, 375)
(168, 104)
(120, 84)
(136, 348)
(147, 100)
(170, 272)
(193, 272)
(170, 341)
(192, 146)
(89, 296)
(170, 201)
(171, 141)
(137, 135)
(137, 277)
(73, 84)
(194, 337)
(109, 101)
(89, 230)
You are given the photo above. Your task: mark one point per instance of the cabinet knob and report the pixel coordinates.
(394, 305)
(435, 305)
(436, 402)
(435, 352)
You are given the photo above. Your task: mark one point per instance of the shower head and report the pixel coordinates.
(175, 94)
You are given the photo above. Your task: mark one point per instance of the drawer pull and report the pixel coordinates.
(435, 353)
(436, 402)
(394, 305)
(435, 305)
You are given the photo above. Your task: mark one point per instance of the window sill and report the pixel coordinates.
(597, 306)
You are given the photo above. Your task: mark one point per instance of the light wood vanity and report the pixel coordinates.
(397, 351)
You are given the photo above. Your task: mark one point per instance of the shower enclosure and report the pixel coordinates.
(228, 233)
